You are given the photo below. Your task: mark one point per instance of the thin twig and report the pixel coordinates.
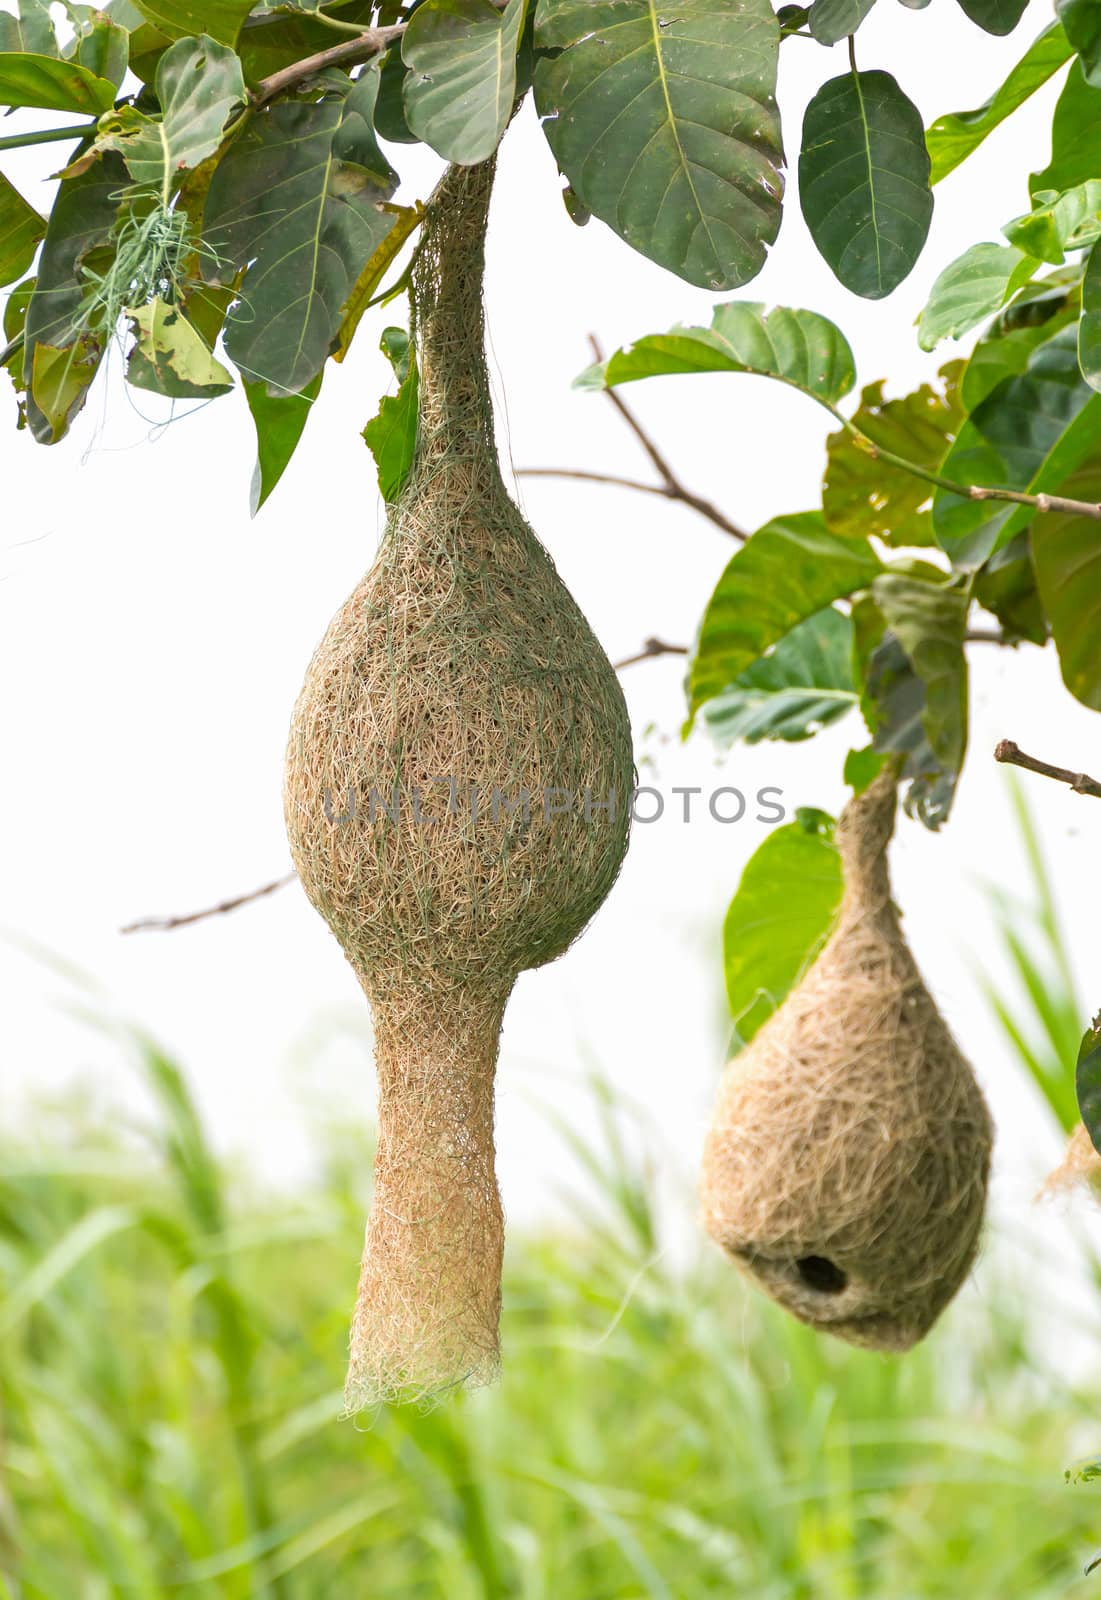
(650, 648)
(1079, 782)
(165, 924)
(661, 489)
(673, 489)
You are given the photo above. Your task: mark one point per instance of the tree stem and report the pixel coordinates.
(76, 130)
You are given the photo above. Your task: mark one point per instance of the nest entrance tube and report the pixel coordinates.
(457, 798)
(846, 1166)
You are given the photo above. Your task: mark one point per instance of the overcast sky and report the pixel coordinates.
(153, 639)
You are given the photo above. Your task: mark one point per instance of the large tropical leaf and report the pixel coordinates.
(198, 83)
(1089, 328)
(1075, 136)
(298, 200)
(864, 497)
(21, 229)
(972, 288)
(459, 92)
(803, 684)
(864, 181)
(1066, 552)
(953, 137)
(996, 16)
(788, 570)
(60, 355)
(798, 347)
(36, 80)
(780, 917)
(221, 20)
(1029, 433)
(1006, 587)
(666, 126)
(929, 622)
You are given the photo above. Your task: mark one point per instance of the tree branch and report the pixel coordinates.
(371, 42)
(650, 648)
(1079, 782)
(671, 487)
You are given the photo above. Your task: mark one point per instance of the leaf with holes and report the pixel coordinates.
(798, 347)
(298, 199)
(955, 136)
(169, 357)
(995, 16)
(198, 85)
(972, 288)
(1066, 553)
(788, 570)
(103, 47)
(461, 85)
(864, 497)
(1029, 433)
(665, 123)
(831, 20)
(864, 181)
(21, 230)
(780, 917)
(803, 684)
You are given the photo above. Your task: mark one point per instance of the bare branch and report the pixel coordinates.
(1079, 782)
(650, 649)
(596, 477)
(165, 924)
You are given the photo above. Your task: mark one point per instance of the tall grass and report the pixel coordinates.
(171, 1359)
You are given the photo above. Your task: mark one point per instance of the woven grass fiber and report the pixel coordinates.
(457, 797)
(846, 1165)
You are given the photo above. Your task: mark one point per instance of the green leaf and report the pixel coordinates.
(406, 220)
(198, 84)
(1087, 1084)
(780, 917)
(220, 20)
(280, 421)
(390, 107)
(83, 215)
(831, 20)
(665, 125)
(955, 136)
(459, 93)
(277, 39)
(864, 181)
(863, 497)
(1066, 553)
(995, 16)
(1029, 433)
(391, 436)
(1006, 587)
(1004, 350)
(21, 230)
(36, 80)
(929, 621)
(1081, 20)
(15, 318)
(169, 356)
(1075, 136)
(1089, 328)
(972, 288)
(31, 32)
(298, 199)
(1068, 221)
(103, 47)
(787, 571)
(798, 347)
(802, 685)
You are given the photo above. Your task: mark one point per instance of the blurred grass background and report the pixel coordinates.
(172, 1344)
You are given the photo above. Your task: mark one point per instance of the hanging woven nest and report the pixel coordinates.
(458, 787)
(847, 1162)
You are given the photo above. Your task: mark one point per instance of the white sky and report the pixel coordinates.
(153, 638)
